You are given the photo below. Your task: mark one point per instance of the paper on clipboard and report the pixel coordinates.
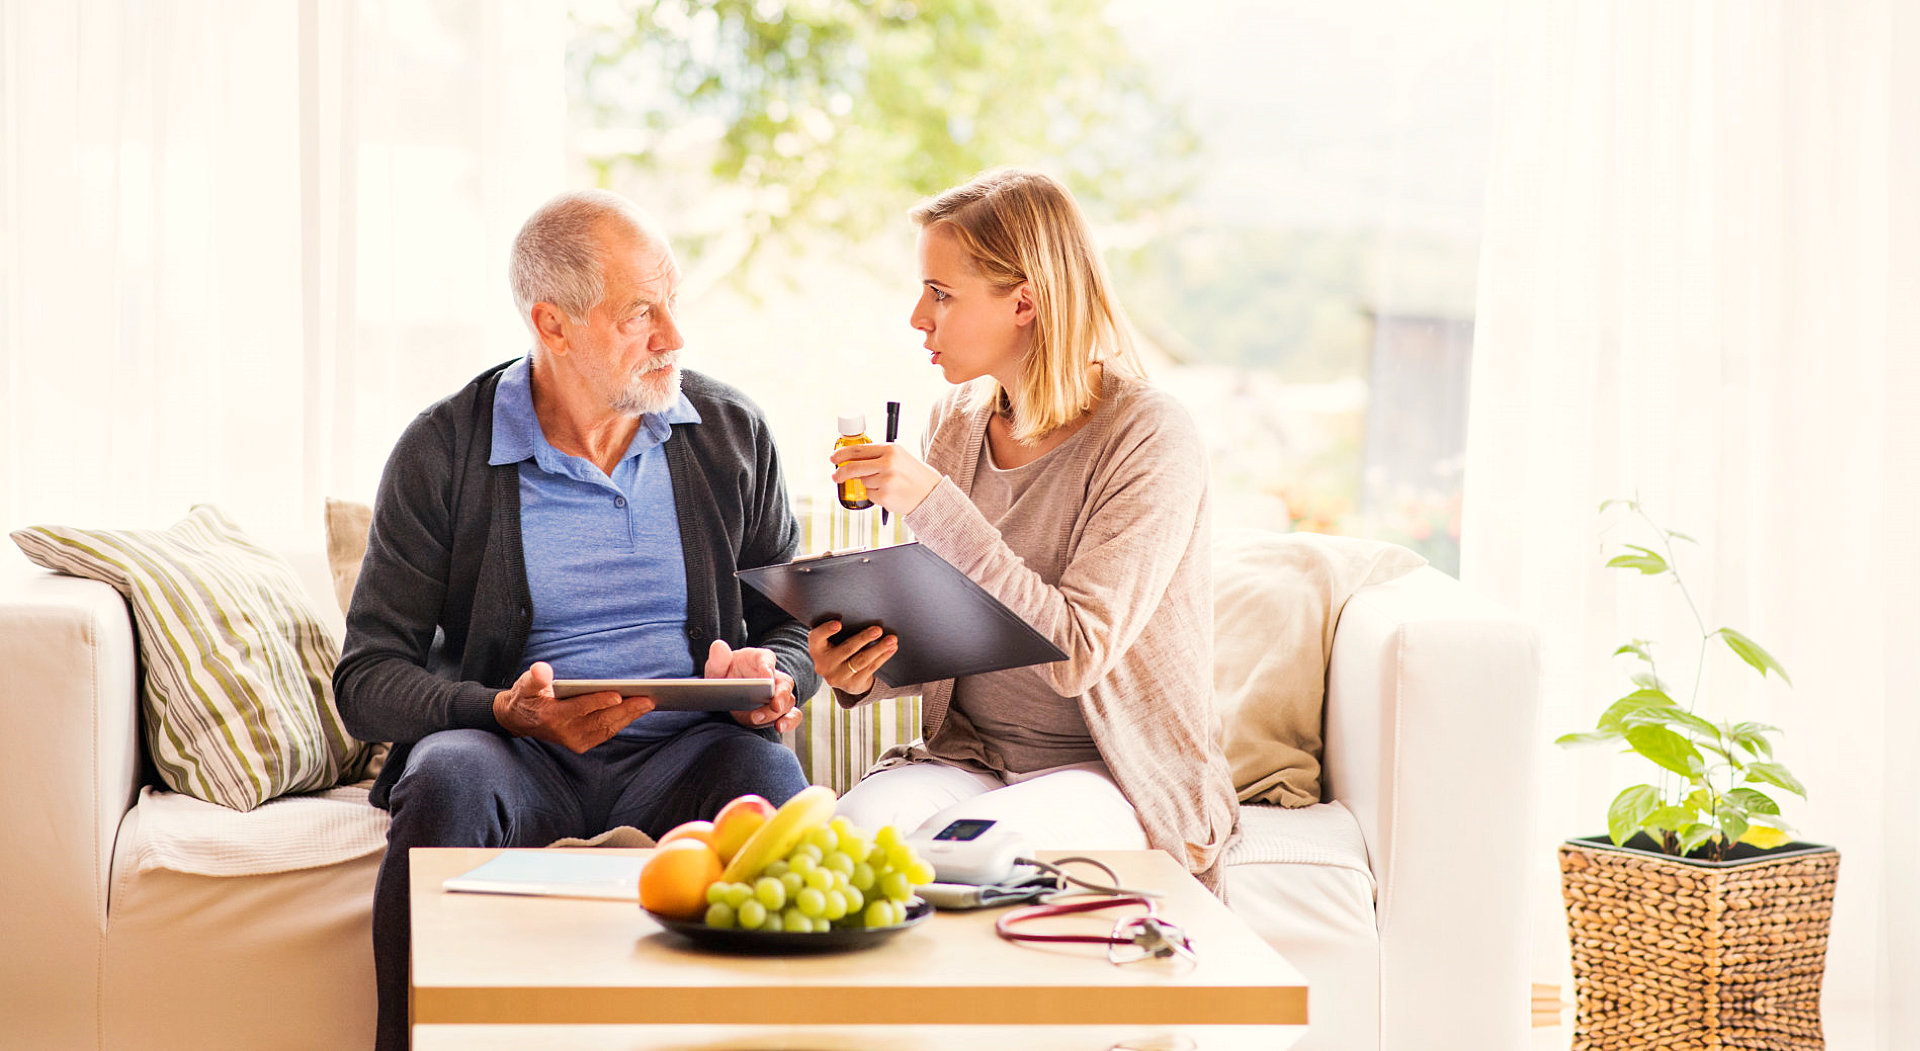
(948, 625)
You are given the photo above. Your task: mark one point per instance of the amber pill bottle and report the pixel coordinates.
(853, 494)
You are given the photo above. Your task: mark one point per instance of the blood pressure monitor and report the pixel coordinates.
(971, 850)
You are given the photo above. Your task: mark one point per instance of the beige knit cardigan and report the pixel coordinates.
(1132, 610)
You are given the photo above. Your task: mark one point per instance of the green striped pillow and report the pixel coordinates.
(238, 682)
(836, 745)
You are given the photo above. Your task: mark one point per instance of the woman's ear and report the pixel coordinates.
(1024, 310)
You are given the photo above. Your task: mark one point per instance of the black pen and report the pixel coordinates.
(893, 431)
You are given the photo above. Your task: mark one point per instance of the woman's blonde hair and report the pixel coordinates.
(1024, 226)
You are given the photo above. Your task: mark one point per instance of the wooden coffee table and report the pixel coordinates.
(491, 970)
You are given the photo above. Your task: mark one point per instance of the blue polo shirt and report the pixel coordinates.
(603, 556)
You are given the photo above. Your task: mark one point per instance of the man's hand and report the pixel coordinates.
(849, 667)
(725, 662)
(895, 478)
(530, 709)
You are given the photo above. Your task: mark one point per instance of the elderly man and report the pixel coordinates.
(577, 513)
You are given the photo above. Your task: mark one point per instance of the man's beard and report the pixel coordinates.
(652, 389)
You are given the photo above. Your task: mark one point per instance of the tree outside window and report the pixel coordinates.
(1288, 196)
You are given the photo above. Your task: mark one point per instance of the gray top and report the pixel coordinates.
(1132, 609)
(1013, 721)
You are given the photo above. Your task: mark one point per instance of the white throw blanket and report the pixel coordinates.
(184, 834)
(1321, 834)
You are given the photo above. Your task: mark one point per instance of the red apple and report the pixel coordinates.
(736, 822)
(700, 830)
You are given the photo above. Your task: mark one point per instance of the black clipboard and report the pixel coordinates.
(948, 625)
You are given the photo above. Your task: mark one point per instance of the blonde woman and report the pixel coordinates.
(1074, 492)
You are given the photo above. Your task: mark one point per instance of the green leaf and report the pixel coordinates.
(1670, 818)
(1775, 774)
(1629, 811)
(1753, 801)
(1753, 738)
(1587, 737)
(1725, 756)
(1706, 729)
(1638, 647)
(1741, 728)
(1750, 651)
(1631, 505)
(1648, 562)
(1695, 836)
(1732, 822)
(1658, 715)
(1678, 535)
(1614, 718)
(1667, 749)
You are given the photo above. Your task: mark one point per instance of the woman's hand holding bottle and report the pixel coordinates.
(894, 478)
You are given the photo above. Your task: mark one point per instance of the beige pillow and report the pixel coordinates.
(237, 668)
(1276, 600)
(347, 525)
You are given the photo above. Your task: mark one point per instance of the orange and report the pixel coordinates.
(675, 880)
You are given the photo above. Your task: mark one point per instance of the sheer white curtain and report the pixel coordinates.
(1698, 284)
(241, 244)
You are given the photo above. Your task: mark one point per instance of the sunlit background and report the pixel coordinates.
(1288, 195)
(1669, 245)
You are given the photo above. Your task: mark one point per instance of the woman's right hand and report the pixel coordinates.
(849, 666)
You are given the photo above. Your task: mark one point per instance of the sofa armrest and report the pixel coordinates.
(1432, 705)
(69, 722)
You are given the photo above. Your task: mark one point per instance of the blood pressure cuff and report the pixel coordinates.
(962, 896)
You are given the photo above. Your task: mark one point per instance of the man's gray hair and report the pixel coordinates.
(556, 255)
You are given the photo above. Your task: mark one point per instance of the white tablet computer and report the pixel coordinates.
(678, 695)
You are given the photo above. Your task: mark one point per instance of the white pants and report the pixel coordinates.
(1074, 807)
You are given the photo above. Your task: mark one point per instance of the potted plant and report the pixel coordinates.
(1696, 921)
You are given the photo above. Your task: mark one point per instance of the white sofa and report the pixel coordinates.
(1401, 899)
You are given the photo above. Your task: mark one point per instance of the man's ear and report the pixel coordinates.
(550, 323)
(1024, 310)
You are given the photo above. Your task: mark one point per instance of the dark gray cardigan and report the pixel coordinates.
(439, 618)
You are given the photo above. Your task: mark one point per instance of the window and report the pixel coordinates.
(1288, 192)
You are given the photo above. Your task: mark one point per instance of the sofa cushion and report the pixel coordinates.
(348, 523)
(1299, 877)
(179, 833)
(1276, 600)
(237, 691)
(280, 960)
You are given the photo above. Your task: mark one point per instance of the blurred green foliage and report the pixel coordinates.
(836, 115)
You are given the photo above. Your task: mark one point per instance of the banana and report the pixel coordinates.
(810, 809)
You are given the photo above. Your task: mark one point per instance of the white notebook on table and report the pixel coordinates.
(555, 874)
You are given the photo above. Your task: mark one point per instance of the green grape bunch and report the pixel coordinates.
(837, 877)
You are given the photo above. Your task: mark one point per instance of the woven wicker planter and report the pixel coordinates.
(1676, 953)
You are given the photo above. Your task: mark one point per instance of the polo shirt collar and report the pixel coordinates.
(516, 428)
